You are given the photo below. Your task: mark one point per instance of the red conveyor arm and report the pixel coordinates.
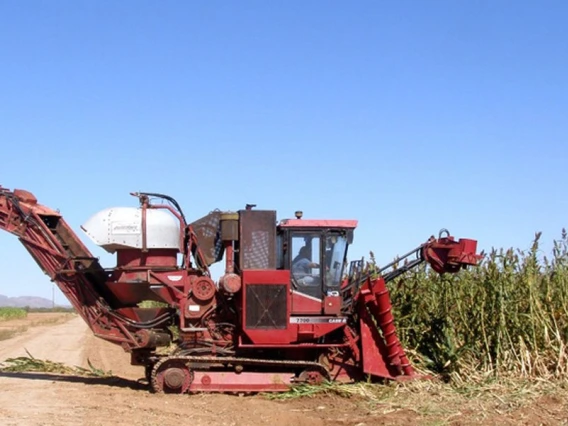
(66, 261)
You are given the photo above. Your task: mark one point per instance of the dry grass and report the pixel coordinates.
(479, 401)
(438, 402)
(8, 333)
(53, 320)
(31, 364)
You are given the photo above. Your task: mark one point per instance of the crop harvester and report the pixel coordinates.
(288, 309)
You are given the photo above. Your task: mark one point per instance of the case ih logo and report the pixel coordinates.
(318, 320)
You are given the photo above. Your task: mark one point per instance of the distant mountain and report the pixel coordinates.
(23, 301)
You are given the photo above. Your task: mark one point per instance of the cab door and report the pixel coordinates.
(305, 273)
(334, 258)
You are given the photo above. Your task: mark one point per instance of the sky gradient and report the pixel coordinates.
(408, 116)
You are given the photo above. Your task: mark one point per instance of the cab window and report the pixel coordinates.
(335, 251)
(305, 265)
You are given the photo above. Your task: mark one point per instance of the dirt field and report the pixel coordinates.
(48, 399)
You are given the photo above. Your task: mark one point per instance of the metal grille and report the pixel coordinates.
(258, 239)
(208, 232)
(266, 306)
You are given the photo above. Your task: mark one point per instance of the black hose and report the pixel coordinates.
(137, 324)
(168, 198)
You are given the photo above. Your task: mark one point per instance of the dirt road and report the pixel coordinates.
(45, 399)
(48, 399)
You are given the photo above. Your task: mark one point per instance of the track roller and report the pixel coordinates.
(312, 376)
(171, 376)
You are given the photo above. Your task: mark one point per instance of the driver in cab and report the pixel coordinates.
(302, 265)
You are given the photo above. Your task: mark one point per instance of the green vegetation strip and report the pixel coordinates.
(506, 318)
(7, 313)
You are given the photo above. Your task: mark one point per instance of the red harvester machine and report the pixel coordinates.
(284, 312)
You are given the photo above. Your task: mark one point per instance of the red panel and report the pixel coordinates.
(373, 348)
(225, 381)
(268, 336)
(311, 223)
(177, 279)
(304, 304)
(316, 326)
(323, 329)
(332, 305)
(128, 258)
(272, 337)
(306, 331)
(266, 276)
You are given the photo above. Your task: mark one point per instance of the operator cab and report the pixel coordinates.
(315, 252)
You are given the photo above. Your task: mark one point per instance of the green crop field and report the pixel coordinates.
(506, 318)
(7, 313)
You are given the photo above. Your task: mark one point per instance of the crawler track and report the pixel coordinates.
(191, 363)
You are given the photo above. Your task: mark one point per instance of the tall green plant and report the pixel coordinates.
(509, 315)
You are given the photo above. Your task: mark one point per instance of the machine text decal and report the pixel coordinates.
(318, 320)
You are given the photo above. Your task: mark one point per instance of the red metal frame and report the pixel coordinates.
(315, 223)
(223, 381)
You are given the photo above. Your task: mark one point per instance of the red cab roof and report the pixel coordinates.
(316, 223)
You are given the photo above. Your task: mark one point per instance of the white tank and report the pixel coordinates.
(121, 228)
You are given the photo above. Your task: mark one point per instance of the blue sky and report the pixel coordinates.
(408, 116)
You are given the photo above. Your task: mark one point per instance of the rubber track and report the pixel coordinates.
(235, 360)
